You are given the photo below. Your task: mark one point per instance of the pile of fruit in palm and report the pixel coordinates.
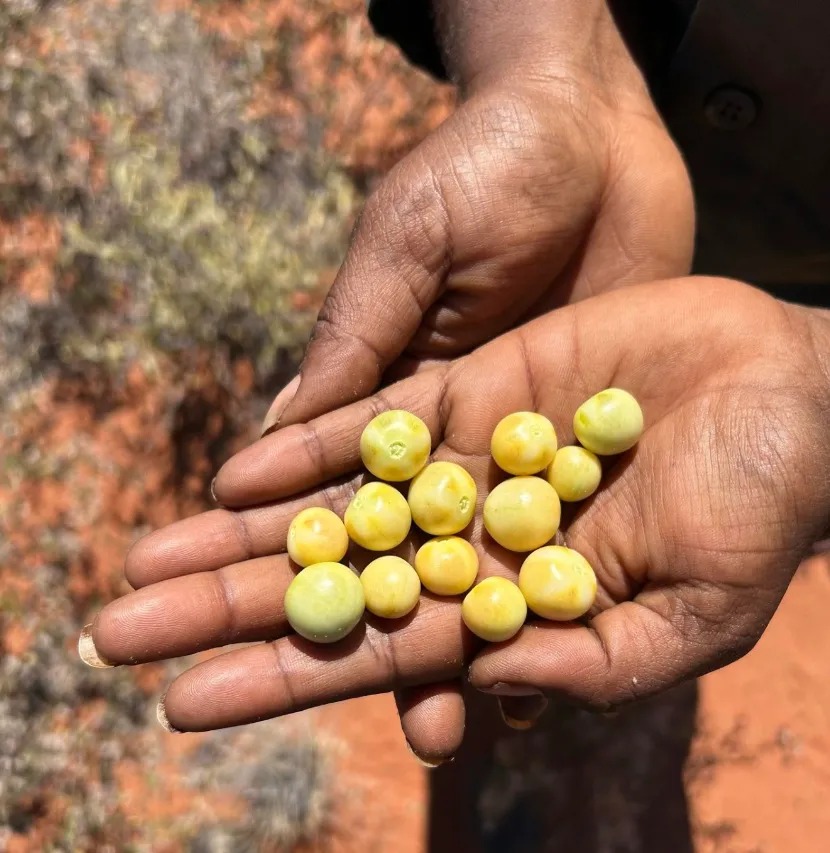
(326, 600)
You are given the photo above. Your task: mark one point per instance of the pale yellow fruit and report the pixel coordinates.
(395, 445)
(574, 473)
(317, 535)
(324, 602)
(523, 443)
(378, 517)
(522, 513)
(391, 587)
(442, 499)
(494, 610)
(558, 583)
(447, 565)
(610, 422)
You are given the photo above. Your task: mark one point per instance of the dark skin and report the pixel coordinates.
(694, 536)
(555, 181)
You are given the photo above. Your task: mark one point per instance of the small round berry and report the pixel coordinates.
(522, 513)
(523, 443)
(494, 610)
(317, 535)
(442, 499)
(378, 517)
(558, 583)
(395, 445)
(324, 602)
(610, 422)
(447, 565)
(575, 473)
(391, 587)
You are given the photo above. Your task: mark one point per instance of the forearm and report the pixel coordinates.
(544, 39)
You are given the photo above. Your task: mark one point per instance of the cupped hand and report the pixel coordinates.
(542, 188)
(694, 534)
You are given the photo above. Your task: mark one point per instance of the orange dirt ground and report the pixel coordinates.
(759, 771)
(114, 420)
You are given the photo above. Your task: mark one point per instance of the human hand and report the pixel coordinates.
(694, 534)
(554, 180)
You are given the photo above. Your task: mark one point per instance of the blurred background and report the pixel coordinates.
(178, 179)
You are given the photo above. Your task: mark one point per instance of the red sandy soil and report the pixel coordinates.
(766, 722)
(759, 775)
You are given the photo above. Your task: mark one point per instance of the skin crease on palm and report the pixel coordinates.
(694, 534)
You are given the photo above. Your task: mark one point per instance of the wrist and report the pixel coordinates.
(536, 41)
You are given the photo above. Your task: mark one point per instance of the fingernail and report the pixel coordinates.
(501, 689)
(280, 404)
(431, 763)
(213, 497)
(88, 653)
(161, 716)
(521, 725)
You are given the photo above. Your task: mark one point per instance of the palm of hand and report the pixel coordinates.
(694, 535)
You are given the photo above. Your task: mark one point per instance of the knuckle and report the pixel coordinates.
(382, 647)
(334, 329)
(223, 593)
(315, 450)
(330, 320)
(285, 675)
(240, 529)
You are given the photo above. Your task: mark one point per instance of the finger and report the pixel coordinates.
(241, 603)
(290, 674)
(432, 719)
(222, 537)
(629, 652)
(281, 401)
(306, 455)
(393, 272)
(521, 712)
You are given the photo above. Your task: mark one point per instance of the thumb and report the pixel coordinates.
(394, 270)
(280, 404)
(628, 652)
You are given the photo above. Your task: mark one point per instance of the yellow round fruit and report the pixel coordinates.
(574, 473)
(324, 602)
(447, 565)
(523, 443)
(442, 499)
(558, 583)
(317, 535)
(522, 513)
(395, 445)
(391, 587)
(494, 610)
(378, 517)
(610, 422)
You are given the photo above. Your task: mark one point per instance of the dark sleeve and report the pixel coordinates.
(652, 29)
(410, 25)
